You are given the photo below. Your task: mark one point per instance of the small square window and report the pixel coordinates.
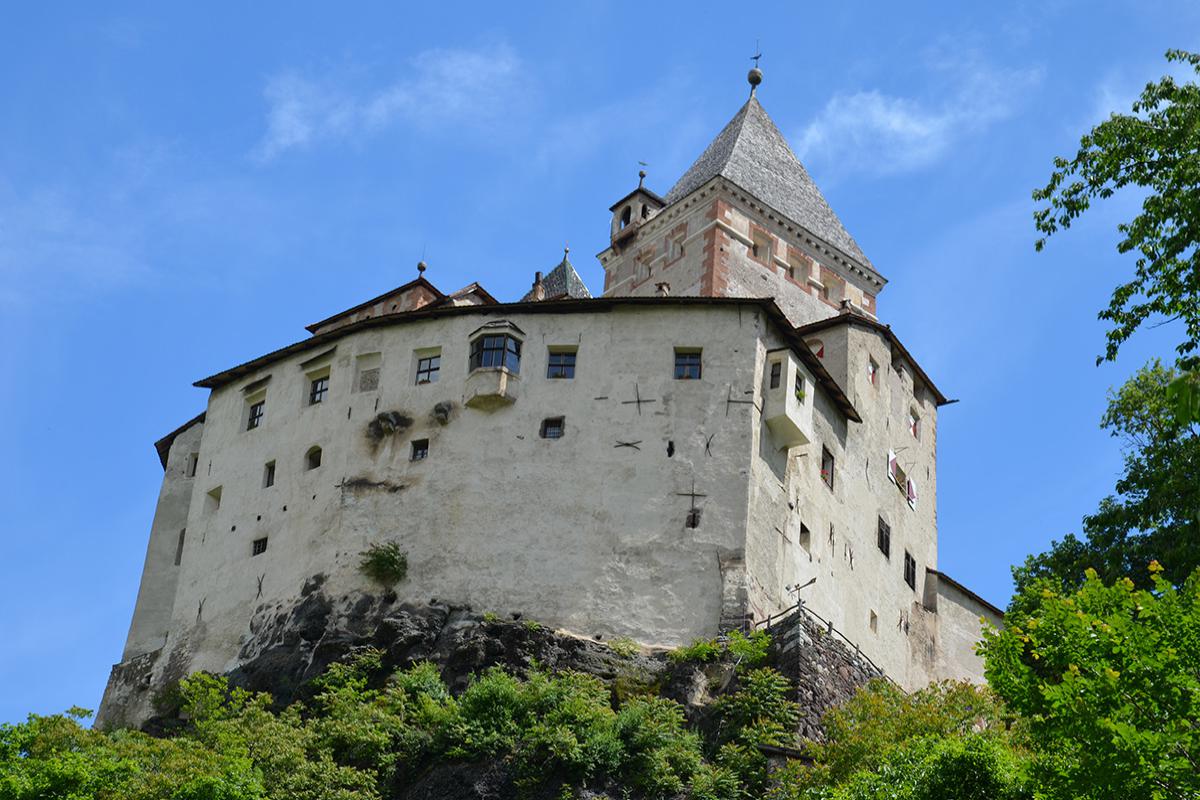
(428, 369)
(312, 458)
(884, 538)
(258, 547)
(687, 365)
(268, 474)
(827, 466)
(561, 364)
(212, 500)
(255, 416)
(553, 427)
(420, 450)
(693, 518)
(776, 374)
(910, 570)
(317, 390)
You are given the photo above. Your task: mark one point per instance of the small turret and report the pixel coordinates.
(639, 205)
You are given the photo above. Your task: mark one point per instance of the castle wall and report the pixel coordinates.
(959, 615)
(582, 532)
(160, 573)
(854, 579)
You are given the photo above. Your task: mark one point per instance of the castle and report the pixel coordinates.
(726, 431)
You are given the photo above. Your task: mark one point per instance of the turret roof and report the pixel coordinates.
(752, 153)
(562, 281)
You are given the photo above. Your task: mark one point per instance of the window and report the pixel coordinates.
(212, 500)
(675, 249)
(420, 450)
(805, 536)
(687, 365)
(817, 347)
(761, 247)
(910, 570)
(317, 390)
(626, 216)
(258, 547)
(561, 364)
(496, 351)
(693, 518)
(255, 416)
(798, 270)
(874, 622)
(428, 369)
(872, 371)
(799, 388)
(367, 370)
(553, 427)
(312, 459)
(179, 547)
(884, 539)
(827, 467)
(776, 374)
(268, 474)
(192, 462)
(910, 492)
(914, 424)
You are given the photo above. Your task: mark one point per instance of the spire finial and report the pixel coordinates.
(421, 267)
(755, 76)
(641, 173)
(566, 250)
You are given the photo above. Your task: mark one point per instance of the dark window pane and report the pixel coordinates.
(687, 366)
(776, 373)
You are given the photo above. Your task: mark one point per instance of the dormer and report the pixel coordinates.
(633, 209)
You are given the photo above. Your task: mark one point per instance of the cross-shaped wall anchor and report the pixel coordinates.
(693, 494)
(634, 445)
(260, 581)
(200, 609)
(637, 400)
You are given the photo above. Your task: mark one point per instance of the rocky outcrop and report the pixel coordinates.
(287, 646)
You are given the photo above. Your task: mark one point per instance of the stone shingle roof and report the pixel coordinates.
(752, 153)
(562, 281)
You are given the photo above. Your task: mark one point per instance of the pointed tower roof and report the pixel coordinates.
(562, 281)
(752, 153)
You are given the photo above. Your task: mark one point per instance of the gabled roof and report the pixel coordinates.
(474, 288)
(752, 153)
(420, 281)
(855, 318)
(562, 281)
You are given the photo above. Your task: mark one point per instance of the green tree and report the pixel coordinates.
(1157, 149)
(1153, 515)
(1107, 679)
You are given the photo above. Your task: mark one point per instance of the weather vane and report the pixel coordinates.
(755, 76)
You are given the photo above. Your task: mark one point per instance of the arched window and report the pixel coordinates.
(312, 459)
(626, 216)
(645, 211)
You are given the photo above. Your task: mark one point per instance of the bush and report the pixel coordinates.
(385, 563)
(624, 646)
(746, 650)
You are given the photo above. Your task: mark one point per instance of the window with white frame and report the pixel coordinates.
(429, 366)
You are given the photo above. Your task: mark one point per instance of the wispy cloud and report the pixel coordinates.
(465, 87)
(873, 132)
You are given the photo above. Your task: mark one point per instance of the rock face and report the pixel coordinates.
(287, 647)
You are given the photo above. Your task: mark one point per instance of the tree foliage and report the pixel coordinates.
(1155, 514)
(1107, 679)
(1155, 148)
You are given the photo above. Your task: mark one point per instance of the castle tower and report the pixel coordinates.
(747, 220)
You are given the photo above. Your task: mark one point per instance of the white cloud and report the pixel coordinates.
(465, 87)
(869, 131)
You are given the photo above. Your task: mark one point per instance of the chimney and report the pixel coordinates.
(662, 289)
(539, 291)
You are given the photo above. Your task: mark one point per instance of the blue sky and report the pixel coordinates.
(181, 190)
